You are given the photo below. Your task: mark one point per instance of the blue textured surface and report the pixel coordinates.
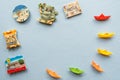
(67, 43)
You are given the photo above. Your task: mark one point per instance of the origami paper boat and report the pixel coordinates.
(106, 35)
(76, 70)
(96, 67)
(104, 52)
(102, 17)
(53, 74)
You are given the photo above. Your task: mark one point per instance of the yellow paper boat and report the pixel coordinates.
(106, 35)
(104, 52)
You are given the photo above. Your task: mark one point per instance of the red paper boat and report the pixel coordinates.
(102, 17)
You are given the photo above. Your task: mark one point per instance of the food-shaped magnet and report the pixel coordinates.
(106, 35)
(48, 14)
(76, 70)
(11, 39)
(21, 13)
(104, 52)
(15, 64)
(72, 9)
(96, 66)
(53, 74)
(102, 17)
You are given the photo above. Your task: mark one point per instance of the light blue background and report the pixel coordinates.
(67, 43)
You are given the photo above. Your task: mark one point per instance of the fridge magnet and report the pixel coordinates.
(11, 39)
(15, 64)
(47, 13)
(21, 13)
(72, 9)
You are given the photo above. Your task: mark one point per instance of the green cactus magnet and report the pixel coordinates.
(76, 70)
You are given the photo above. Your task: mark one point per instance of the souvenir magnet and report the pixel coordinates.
(72, 9)
(21, 13)
(15, 64)
(11, 39)
(48, 13)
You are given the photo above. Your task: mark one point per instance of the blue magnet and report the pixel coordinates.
(21, 13)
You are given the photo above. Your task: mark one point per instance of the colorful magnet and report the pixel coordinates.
(53, 74)
(104, 52)
(11, 39)
(106, 35)
(102, 17)
(96, 66)
(15, 64)
(76, 70)
(48, 13)
(21, 13)
(72, 9)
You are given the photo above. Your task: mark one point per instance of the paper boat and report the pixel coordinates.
(96, 67)
(102, 17)
(53, 74)
(106, 35)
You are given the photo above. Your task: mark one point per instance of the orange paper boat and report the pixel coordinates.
(96, 66)
(53, 74)
(102, 17)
